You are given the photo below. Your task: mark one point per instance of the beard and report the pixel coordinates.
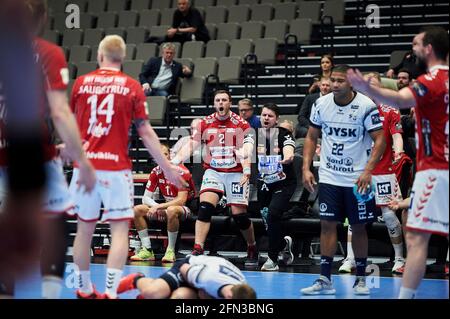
(420, 62)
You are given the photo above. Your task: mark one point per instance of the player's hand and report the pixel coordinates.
(87, 176)
(186, 70)
(151, 213)
(287, 160)
(244, 179)
(364, 181)
(173, 175)
(309, 181)
(394, 205)
(171, 32)
(63, 154)
(390, 73)
(146, 87)
(357, 81)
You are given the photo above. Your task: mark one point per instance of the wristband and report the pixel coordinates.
(247, 171)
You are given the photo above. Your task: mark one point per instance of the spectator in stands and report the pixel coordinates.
(159, 76)
(410, 63)
(177, 207)
(326, 64)
(246, 111)
(187, 24)
(305, 110)
(403, 78)
(288, 125)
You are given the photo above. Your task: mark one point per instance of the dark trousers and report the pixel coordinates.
(276, 197)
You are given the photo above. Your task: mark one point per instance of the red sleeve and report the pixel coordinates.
(55, 68)
(395, 124)
(152, 183)
(422, 91)
(140, 103)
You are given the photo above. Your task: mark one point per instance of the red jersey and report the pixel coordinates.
(222, 139)
(431, 111)
(169, 191)
(391, 125)
(105, 102)
(54, 76)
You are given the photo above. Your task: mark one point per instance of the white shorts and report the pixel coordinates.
(228, 183)
(428, 211)
(57, 196)
(115, 189)
(386, 189)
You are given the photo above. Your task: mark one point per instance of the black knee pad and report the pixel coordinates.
(242, 221)
(205, 211)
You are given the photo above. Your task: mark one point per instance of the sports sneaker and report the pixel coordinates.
(286, 254)
(144, 255)
(129, 282)
(322, 286)
(269, 265)
(347, 266)
(399, 263)
(169, 256)
(93, 295)
(359, 287)
(252, 257)
(197, 251)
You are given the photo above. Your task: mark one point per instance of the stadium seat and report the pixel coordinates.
(252, 30)
(133, 68)
(145, 51)
(128, 19)
(229, 71)
(217, 14)
(162, 4)
(266, 50)
(107, 20)
(226, 3)
(193, 49)
(276, 29)
(149, 18)
(217, 48)
(285, 11)
(130, 52)
(117, 5)
(192, 90)
(212, 30)
(167, 16)
(93, 36)
(97, 6)
(309, 10)
(262, 12)
(157, 106)
(238, 14)
(228, 31)
(137, 35)
(205, 67)
(241, 47)
(85, 67)
(72, 37)
(335, 9)
(79, 53)
(301, 28)
(140, 5)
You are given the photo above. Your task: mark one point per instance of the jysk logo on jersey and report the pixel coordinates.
(384, 188)
(420, 89)
(237, 189)
(375, 119)
(341, 131)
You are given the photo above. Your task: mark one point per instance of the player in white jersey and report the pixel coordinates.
(190, 278)
(349, 122)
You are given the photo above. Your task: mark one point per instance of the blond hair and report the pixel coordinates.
(113, 48)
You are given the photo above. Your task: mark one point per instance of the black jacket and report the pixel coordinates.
(151, 70)
(304, 114)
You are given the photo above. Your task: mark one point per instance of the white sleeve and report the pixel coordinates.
(147, 199)
(372, 120)
(315, 119)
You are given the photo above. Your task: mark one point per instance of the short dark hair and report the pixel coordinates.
(273, 107)
(243, 291)
(403, 70)
(438, 38)
(222, 92)
(341, 68)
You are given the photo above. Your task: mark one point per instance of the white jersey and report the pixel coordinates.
(346, 144)
(212, 273)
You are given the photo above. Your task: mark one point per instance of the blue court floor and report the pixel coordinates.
(277, 285)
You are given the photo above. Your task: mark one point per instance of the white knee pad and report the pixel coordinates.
(392, 223)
